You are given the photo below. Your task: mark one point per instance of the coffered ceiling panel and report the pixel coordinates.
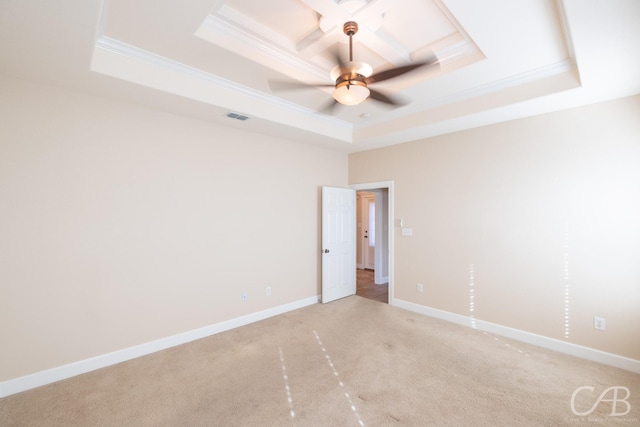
(303, 37)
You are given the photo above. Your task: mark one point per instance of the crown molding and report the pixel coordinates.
(128, 51)
(510, 82)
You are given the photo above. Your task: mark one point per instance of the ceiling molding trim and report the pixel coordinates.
(566, 31)
(561, 67)
(102, 19)
(225, 34)
(129, 51)
(249, 25)
(385, 45)
(452, 19)
(459, 53)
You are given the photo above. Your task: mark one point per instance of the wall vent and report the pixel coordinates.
(237, 116)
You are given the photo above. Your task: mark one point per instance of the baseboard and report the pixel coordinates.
(38, 379)
(576, 350)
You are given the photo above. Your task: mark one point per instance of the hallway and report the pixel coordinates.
(365, 287)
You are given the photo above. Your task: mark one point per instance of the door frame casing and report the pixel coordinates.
(370, 186)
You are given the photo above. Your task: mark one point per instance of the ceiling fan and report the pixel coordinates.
(352, 80)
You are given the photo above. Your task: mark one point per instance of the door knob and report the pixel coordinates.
(326, 251)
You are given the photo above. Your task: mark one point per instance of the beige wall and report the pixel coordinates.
(535, 207)
(120, 225)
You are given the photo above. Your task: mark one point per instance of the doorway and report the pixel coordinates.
(374, 241)
(366, 230)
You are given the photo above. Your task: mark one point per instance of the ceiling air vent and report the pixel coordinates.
(237, 116)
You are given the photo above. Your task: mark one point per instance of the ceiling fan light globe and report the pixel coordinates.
(351, 93)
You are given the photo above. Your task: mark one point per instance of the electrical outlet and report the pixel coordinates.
(268, 290)
(244, 296)
(419, 287)
(599, 323)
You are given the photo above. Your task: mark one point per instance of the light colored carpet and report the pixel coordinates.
(348, 363)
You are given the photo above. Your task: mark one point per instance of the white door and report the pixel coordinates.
(338, 243)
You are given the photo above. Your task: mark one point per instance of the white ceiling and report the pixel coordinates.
(498, 59)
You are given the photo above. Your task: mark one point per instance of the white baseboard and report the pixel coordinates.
(576, 350)
(38, 379)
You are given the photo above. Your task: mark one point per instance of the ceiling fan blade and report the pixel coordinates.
(338, 60)
(283, 86)
(328, 109)
(381, 97)
(398, 71)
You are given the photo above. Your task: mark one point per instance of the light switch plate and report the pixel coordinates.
(407, 231)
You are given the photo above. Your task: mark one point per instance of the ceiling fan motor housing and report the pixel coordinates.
(350, 28)
(351, 79)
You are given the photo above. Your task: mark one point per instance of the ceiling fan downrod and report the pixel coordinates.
(350, 28)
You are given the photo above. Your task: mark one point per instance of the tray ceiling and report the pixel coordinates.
(497, 59)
